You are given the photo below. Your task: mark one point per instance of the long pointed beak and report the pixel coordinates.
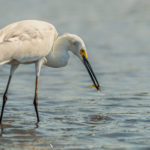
(91, 73)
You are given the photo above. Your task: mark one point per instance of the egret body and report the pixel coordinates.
(37, 42)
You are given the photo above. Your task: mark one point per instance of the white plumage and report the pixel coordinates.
(26, 41)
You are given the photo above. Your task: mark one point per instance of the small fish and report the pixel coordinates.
(93, 86)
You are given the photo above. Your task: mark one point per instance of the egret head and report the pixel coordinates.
(78, 48)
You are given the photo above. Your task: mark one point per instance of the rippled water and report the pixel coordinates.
(73, 115)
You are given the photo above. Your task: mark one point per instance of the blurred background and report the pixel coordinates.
(74, 116)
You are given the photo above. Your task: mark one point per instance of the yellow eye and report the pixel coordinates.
(83, 53)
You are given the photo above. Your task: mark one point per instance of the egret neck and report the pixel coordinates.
(59, 56)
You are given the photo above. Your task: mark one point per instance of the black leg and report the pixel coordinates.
(5, 98)
(35, 102)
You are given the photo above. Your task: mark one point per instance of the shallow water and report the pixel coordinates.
(73, 115)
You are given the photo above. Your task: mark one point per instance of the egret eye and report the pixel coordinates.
(82, 52)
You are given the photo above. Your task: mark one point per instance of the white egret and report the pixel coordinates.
(32, 41)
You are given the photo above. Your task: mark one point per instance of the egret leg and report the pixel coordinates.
(35, 102)
(5, 98)
(12, 70)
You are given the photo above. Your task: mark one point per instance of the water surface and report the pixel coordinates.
(73, 115)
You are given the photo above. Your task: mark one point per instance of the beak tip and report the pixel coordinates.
(98, 89)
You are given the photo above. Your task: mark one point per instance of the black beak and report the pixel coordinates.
(91, 73)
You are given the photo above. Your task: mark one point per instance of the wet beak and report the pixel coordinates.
(91, 73)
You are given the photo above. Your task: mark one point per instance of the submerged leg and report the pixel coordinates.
(12, 70)
(35, 102)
